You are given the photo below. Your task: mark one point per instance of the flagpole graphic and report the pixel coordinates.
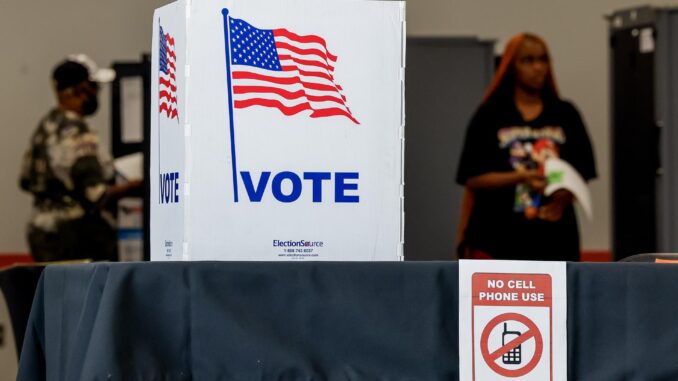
(230, 105)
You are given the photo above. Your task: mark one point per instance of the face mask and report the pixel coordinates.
(90, 106)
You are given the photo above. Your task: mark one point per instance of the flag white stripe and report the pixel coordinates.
(305, 45)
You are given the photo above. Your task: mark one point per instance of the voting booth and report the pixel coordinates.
(277, 130)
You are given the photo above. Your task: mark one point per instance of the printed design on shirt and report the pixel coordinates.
(508, 135)
(529, 148)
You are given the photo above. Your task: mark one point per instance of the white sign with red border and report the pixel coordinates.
(512, 321)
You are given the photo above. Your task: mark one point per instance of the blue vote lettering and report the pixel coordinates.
(169, 188)
(277, 187)
(342, 184)
(257, 193)
(317, 179)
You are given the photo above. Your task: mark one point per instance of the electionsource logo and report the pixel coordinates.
(301, 243)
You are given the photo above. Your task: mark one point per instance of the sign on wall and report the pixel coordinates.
(278, 130)
(512, 321)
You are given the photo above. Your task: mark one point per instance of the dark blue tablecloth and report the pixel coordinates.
(18, 285)
(321, 321)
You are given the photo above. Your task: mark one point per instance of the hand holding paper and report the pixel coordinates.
(130, 167)
(561, 175)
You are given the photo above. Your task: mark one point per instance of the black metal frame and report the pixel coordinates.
(119, 148)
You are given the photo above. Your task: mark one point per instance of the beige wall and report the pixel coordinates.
(36, 34)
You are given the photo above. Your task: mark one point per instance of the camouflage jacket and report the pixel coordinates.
(64, 171)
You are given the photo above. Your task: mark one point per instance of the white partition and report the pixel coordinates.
(277, 130)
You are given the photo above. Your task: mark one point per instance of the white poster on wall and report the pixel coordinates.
(278, 130)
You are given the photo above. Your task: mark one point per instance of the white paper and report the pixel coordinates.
(501, 301)
(561, 175)
(646, 40)
(132, 104)
(131, 167)
(130, 213)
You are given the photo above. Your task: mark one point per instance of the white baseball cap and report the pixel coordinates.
(96, 74)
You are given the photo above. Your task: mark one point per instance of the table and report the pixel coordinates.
(321, 321)
(18, 284)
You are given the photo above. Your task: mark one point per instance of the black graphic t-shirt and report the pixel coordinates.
(498, 139)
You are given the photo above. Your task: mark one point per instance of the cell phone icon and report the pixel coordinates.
(512, 357)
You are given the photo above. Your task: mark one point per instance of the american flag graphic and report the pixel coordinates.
(168, 79)
(283, 70)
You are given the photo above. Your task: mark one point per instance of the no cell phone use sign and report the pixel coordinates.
(512, 321)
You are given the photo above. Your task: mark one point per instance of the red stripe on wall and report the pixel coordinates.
(596, 256)
(9, 259)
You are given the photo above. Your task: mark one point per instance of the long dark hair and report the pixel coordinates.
(504, 78)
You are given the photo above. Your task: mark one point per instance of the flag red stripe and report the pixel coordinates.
(169, 38)
(303, 52)
(304, 39)
(315, 98)
(170, 112)
(309, 73)
(273, 104)
(171, 65)
(333, 112)
(171, 54)
(167, 83)
(282, 81)
(167, 108)
(165, 94)
(313, 74)
(306, 62)
(286, 94)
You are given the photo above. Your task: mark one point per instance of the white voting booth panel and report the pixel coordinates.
(277, 130)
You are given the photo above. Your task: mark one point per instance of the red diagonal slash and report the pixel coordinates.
(531, 333)
(512, 344)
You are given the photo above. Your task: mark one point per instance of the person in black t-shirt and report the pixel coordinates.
(521, 122)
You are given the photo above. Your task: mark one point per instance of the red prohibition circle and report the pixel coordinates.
(532, 330)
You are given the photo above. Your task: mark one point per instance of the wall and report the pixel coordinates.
(36, 34)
